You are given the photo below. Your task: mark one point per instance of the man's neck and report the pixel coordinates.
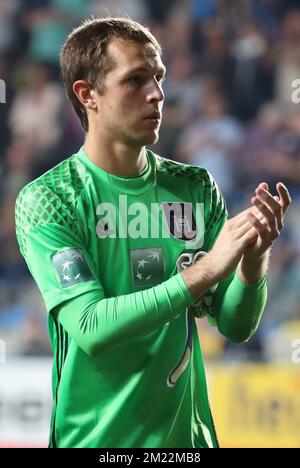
(115, 157)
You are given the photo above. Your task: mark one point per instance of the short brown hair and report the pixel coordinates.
(84, 55)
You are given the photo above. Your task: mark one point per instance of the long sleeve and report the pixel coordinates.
(238, 307)
(98, 326)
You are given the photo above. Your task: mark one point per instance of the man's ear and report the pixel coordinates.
(85, 94)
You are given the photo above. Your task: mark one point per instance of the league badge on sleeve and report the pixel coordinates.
(71, 267)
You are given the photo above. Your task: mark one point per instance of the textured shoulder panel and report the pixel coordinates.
(177, 169)
(214, 204)
(51, 199)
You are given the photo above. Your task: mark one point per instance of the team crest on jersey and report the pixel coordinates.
(180, 220)
(71, 267)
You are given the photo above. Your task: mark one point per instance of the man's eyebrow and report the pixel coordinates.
(143, 69)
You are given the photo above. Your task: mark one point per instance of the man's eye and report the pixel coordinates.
(160, 78)
(136, 79)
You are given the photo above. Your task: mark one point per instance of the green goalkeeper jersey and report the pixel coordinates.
(92, 239)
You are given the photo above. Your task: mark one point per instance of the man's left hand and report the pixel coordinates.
(268, 223)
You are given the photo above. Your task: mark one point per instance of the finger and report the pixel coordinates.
(255, 211)
(264, 186)
(270, 220)
(285, 198)
(242, 214)
(242, 230)
(249, 237)
(274, 205)
(241, 218)
(239, 223)
(262, 230)
(268, 199)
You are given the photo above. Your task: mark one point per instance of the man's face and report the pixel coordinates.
(129, 109)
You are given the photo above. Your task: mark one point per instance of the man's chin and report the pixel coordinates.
(151, 139)
(146, 139)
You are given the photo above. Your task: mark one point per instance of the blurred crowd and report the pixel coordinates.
(231, 65)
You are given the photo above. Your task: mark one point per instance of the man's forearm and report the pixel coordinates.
(100, 326)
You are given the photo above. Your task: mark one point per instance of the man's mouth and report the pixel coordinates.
(155, 115)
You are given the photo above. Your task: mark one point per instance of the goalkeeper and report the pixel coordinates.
(122, 300)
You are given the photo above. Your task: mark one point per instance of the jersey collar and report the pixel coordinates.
(131, 185)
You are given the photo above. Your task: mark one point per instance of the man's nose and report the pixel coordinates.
(155, 91)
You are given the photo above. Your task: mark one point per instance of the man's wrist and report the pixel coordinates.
(251, 270)
(200, 277)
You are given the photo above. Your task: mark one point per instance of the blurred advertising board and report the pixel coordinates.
(252, 405)
(25, 402)
(256, 405)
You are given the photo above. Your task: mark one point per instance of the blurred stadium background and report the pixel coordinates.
(228, 108)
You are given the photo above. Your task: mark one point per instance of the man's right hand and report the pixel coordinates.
(236, 234)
